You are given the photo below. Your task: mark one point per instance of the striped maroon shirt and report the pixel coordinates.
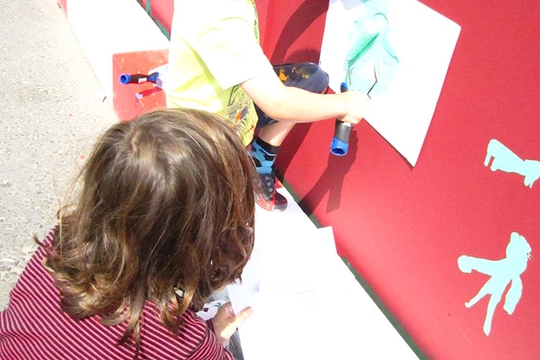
(34, 327)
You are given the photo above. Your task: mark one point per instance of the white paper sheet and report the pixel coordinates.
(398, 51)
(306, 302)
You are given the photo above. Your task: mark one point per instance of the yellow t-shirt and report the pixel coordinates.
(214, 48)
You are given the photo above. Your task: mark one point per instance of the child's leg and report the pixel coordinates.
(307, 76)
(271, 133)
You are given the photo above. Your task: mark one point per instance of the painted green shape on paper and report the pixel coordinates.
(371, 57)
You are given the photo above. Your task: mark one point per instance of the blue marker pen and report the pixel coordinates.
(342, 130)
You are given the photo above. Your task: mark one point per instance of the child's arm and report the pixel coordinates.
(292, 104)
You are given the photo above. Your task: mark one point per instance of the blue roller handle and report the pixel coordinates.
(342, 130)
(138, 78)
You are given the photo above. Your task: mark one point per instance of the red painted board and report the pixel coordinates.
(125, 102)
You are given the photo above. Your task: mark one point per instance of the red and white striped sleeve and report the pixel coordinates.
(34, 327)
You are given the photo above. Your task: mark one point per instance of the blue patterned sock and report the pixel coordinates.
(264, 155)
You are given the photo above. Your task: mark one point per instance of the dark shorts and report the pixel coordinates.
(307, 76)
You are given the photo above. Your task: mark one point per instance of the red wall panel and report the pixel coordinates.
(293, 30)
(161, 11)
(404, 228)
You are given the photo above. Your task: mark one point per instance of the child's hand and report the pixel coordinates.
(355, 105)
(226, 323)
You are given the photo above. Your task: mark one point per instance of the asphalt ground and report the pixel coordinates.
(52, 108)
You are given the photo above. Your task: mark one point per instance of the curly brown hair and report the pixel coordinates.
(166, 202)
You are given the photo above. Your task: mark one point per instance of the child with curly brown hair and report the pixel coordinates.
(164, 217)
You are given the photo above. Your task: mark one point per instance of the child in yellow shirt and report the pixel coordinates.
(216, 64)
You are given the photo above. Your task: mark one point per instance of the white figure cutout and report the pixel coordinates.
(502, 272)
(505, 160)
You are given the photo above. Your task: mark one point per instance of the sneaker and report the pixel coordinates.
(267, 197)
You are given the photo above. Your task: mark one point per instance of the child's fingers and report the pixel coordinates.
(244, 314)
(226, 323)
(227, 307)
(241, 317)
